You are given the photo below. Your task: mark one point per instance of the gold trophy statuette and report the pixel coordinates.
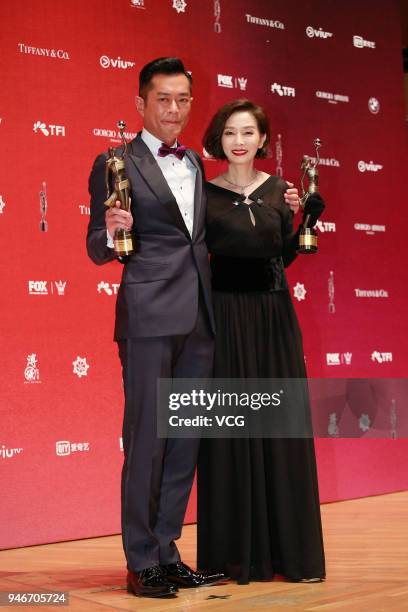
(308, 235)
(115, 176)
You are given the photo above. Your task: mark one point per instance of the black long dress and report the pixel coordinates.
(258, 501)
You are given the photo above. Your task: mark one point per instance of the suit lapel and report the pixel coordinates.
(198, 191)
(141, 156)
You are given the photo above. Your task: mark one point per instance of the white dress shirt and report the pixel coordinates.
(180, 175)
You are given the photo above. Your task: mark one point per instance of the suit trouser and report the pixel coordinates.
(157, 473)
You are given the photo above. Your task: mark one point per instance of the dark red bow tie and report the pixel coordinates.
(165, 150)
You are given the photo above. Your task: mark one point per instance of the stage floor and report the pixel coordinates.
(366, 542)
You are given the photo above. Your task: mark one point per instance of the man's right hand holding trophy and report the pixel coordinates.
(310, 202)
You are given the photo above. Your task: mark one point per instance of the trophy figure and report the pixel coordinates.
(115, 177)
(43, 207)
(308, 235)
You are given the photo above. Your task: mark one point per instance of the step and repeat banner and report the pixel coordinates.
(69, 72)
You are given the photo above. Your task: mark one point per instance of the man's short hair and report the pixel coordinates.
(161, 65)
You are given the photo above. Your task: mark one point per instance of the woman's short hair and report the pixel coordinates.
(214, 132)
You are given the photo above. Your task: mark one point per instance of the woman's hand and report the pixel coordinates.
(292, 198)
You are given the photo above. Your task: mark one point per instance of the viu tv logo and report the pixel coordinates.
(108, 62)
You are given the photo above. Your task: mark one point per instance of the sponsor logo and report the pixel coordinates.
(299, 292)
(113, 135)
(226, 80)
(369, 166)
(334, 359)
(84, 210)
(369, 229)
(381, 357)
(137, 4)
(48, 130)
(360, 43)
(333, 428)
(108, 288)
(80, 366)
(332, 98)
(54, 53)
(270, 23)
(108, 62)
(371, 293)
(31, 372)
(2, 204)
(9, 453)
(326, 226)
(364, 422)
(64, 447)
(327, 161)
(283, 90)
(312, 32)
(374, 106)
(180, 6)
(41, 287)
(330, 286)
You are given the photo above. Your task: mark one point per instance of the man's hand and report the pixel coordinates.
(292, 198)
(116, 219)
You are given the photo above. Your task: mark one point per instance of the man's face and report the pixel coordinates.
(166, 107)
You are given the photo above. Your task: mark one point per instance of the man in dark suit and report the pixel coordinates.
(164, 322)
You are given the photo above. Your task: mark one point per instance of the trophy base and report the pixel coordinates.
(307, 241)
(124, 243)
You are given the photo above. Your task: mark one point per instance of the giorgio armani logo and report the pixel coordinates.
(332, 98)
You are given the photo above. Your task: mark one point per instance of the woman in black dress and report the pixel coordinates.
(258, 502)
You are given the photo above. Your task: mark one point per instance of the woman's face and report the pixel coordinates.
(241, 138)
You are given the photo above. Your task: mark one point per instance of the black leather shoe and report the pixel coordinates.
(150, 582)
(182, 575)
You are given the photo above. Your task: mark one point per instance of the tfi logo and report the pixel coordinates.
(48, 130)
(314, 33)
(109, 289)
(381, 357)
(283, 90)
(108, 62)
(326, 226)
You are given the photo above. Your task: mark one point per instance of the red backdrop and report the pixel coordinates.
(68, 73)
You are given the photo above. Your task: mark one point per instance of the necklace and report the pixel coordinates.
(241, 187)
